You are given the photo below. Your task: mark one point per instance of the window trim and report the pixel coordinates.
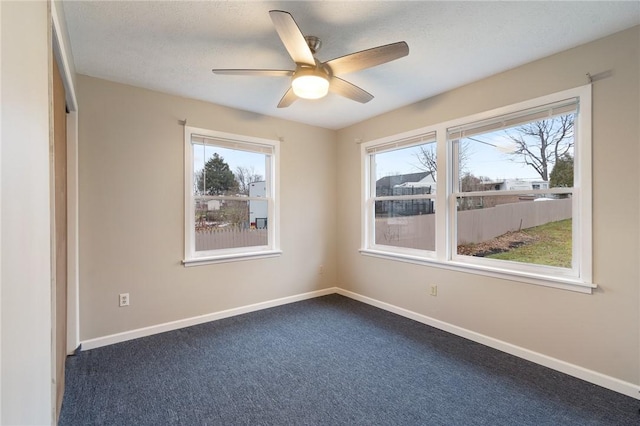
(444, 257)
(272, 175)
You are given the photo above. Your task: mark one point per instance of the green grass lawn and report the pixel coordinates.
(552, 248)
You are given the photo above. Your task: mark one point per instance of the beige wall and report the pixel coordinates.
(598, 331)
(131, 211)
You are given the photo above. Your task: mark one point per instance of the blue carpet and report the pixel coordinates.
(325, 361)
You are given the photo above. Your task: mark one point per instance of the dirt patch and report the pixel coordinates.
(500, 244)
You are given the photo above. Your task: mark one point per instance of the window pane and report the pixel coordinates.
(518, 228)
(224, 171)
(405, 171)
(221, 223)
(405, 223)
(534, 155)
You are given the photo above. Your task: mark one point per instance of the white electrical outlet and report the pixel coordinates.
(124, 299)
(434, 290)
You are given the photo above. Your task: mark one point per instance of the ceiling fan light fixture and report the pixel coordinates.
(310, 84)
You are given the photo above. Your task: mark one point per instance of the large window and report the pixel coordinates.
(230, 196)
(509, 195)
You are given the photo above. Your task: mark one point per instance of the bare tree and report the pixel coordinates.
(541, 144)
(470, 182)
(428, 160)
(245, 176)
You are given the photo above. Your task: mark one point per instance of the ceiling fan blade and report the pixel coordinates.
(288, 98)
(368, 58)
(292, 37)
(267, 73)
(348, 90)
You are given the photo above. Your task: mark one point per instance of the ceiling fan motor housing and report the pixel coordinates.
(314, 43)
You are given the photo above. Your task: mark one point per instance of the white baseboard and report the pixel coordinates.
(590, 376)
(187, 322)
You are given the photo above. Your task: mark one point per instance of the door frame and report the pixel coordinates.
(60, 47)
(62, 52)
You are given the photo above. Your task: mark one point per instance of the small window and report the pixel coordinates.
(401, 199)
(230, 196)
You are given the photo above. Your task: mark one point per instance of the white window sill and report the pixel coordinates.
(235, 257)
(565, 283)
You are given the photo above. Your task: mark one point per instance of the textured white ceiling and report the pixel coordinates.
(172, 46)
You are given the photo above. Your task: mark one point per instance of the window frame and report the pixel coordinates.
(579, 278)
(245, 143)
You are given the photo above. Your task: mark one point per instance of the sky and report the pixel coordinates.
(487, 155)
(233, 157)
(491, 155)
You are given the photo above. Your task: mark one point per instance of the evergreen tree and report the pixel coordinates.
(216, 178)
(562, 173)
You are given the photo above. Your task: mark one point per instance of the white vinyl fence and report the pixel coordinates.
(230, 238)
(474, 226)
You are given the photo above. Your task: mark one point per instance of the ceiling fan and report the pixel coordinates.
(311, 78)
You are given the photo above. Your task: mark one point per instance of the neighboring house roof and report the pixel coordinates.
(428, 180)
(391, 181)
(399, 184)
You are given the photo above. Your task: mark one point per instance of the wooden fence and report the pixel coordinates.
(474, 226)
(215, 239)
